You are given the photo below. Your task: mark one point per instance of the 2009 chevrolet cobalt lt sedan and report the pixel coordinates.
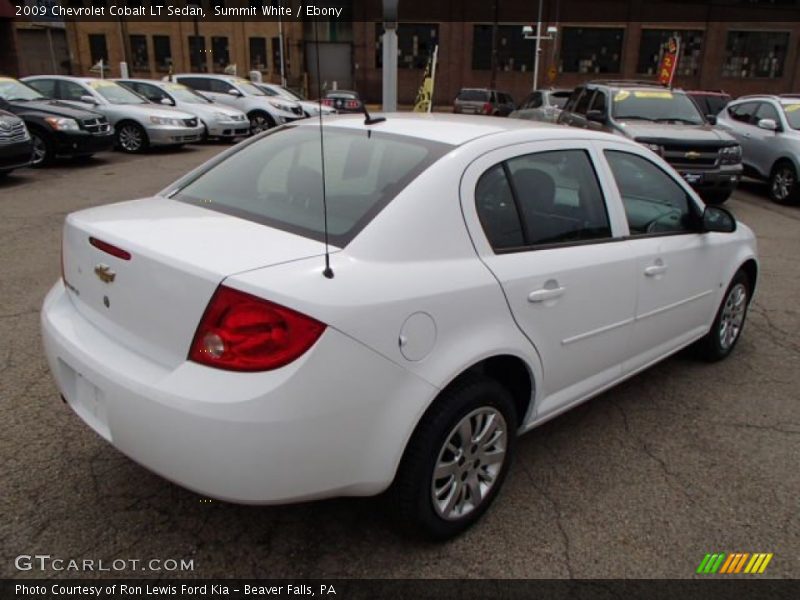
(484, 277)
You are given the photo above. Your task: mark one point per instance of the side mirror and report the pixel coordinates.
(235, 93)
(712, 119)
(166, 102)
(718, 219)
(768, 124)
(89, 99)
(597, 116)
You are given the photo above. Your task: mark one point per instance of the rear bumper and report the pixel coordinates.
(81, 143)
(14, 156)
(332, 423)
(170, 135)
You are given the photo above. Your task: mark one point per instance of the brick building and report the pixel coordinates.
(31, 45)
(754, 49)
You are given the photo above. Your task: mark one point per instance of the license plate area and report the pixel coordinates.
(86, 399)
(693, 178)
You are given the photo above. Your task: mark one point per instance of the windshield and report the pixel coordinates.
(115, 93)
(249, 89)
(287, 93)
(11, 89)
(184, 94)
(792, 112)
(276, 180)
(662, 106)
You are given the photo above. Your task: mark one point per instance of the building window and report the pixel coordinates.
(197, 53)
(163, 52)
(591, 50)
(415, 43)
(139, 58)
(653, 46)
(219, 52)
(514, 52)
(258, 54)
(98, 50)
(755, 54)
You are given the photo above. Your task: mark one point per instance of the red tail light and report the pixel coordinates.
(240, 332)
(327, 102)
(351, 104)
(487, 108)
(110, 249)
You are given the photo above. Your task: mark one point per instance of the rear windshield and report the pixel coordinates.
(276, 180)
(559, 99)
(473, 95)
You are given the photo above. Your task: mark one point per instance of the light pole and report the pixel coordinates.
(528, 34)
(280, 48)
(390, 55)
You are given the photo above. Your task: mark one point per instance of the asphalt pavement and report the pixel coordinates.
(685, 459)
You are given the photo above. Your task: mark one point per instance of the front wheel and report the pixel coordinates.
(43, 152)
(783, 183)
(260, 121)
(132, 138)
(457, 458)
(726, 330)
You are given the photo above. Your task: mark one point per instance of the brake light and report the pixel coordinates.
(351, 104)
(327, 102)
(487, 108)
(240, 332)
(110, 249)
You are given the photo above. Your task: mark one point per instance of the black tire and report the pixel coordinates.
(783, 185)
(131, 137)
(260, 121)
(716, 197)
(43, 150)
(414, 487)
(715, 345)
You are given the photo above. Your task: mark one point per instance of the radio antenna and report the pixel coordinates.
(327, 272)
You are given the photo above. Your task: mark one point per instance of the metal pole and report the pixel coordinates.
(537, 49)
(280, 48)
(389, 68)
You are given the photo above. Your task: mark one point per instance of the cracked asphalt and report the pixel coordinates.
(686, 458)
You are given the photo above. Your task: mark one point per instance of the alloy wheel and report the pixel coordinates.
(130, 138)
(733, 311)
(258, 123)
(39, 150)
(469, 463)
(783, 183)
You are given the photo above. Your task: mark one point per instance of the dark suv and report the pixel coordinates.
(480, 101)
(15, 143)
(666, 121)
(57, 129)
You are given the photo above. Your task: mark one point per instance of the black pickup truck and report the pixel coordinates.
(57, 129)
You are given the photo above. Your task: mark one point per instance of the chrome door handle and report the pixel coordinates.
(654, 270)
(545, 294)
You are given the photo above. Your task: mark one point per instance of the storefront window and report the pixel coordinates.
(591, 50)
(653, 46)
(755, 54)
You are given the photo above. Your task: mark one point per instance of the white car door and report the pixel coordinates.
(539, 220)
(678, 267)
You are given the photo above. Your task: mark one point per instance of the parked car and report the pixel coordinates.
(542, 105)
(16, 148)
(768, 128)
(343, 101)
(481, 101)
(220, 121)
(138, 123)
(573, 260)
(309, 107)
(709, 102)
(56, 128)
(667, 122)
(262, 111)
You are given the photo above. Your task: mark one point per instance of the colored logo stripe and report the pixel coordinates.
(734, 563)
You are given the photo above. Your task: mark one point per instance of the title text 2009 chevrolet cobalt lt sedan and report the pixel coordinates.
(486, 276)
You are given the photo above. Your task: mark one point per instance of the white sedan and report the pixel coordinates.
(485, 276)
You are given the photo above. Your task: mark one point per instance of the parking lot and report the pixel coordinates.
(685, 459)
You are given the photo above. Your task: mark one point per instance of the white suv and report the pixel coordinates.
(263, 111)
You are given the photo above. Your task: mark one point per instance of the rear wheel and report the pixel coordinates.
(783, 183)
(457, 459)
(43, 152)
(720, 341)
(132, 138)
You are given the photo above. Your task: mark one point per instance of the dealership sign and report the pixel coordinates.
(666, 72)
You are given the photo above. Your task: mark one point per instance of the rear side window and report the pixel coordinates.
(583, 102)
(743, 112)
(276, 180)
(474, 95)
(556, 200)
(559, 99)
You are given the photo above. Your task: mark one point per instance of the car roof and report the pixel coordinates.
(457, 129)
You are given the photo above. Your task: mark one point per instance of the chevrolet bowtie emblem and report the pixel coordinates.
(104, 273)
(692, 155)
